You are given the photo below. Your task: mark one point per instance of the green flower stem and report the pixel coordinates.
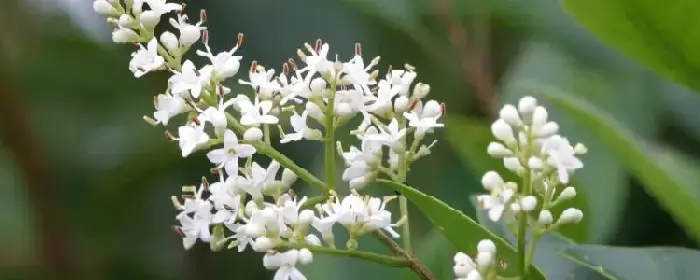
(329, 139)
(372, 257)
(284, 161)
(403, 203)
(525, 189)
(266, 133)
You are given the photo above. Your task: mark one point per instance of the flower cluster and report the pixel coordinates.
(531, 147)
(482, 266)
(250, 204)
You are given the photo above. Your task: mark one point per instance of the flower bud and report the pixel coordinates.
(486, 245)
(528, 203)
(545, 217)
(570, 216)
(535, 163)
(315, 112)
(149, 19)
(254, 230)
(546, 130)
(189, 34)
(124, 35)
(567, 193)
(510, 114)
(432, 109)
(502, 131)
(463, 264)
(262, 244)
(104, 8)
(288, 177)
(527, 104)
(253, 134)
(484, 259)
(306, 216)
(496, 149)
(169, 40)
(313, 240)
(126, 21)
(580, 149)
(512, 164)
(317, 85)
(492, 180)
(539, 116)
(420, 90)
(401, 104)
(305, 256)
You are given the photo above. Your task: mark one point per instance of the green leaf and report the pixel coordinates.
(664, 36)
(469, 138)
(437, 253)
(676, 197)
(462, 231)
(640, 263)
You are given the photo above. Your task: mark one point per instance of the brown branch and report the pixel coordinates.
(475, 63)
(415, 264)
(57, 258)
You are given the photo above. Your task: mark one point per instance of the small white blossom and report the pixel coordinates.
(285, 263)
(146, 59)
(255, 114)
(189, 79)
(227, 157)
(191, 138)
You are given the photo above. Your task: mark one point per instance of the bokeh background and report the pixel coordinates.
(86, 183)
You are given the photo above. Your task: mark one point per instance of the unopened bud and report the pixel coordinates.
(288, 177)
(104, 8)
(253, 134)
(567, 193)
(305, 256)
(527, 104)
(580, 149)
(528, 203)
(570, 216)
(510, 115)
(491, 180)
(496, 149)
(545, 217)
(502, 131)
(149, 19)
(486, 245)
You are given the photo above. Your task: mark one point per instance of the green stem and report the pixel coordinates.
(525, 190)
(531, 250)
(329, 140)
(283, 160)
(403, 203)
(373, 257)
(266, 134)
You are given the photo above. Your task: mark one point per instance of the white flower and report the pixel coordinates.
(168, 106)
(390, 136)
(227, 157)
(301, 129)
(226, 200)
(362, 164)
(500, 199)
(191, 138)
(317, 61)
(162, 6)
(285, 263)
(425, 119)
(225, 64)
(378, 217)
(254, 114)
(401, 80)
(292, 213)
(358, 73)
(189, 33)
(381, 103)
(195, 227)
(561, 155)
(217, 116)
(189, 79)
(146, 59)
(260, 180)
(262, 82)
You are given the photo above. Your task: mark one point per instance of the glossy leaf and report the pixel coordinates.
(462, 231)
(675, 196)
(640, 263)
(664, 36)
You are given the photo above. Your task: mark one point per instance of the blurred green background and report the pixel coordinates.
(86, 183)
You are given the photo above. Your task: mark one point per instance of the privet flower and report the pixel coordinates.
(253, 205)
